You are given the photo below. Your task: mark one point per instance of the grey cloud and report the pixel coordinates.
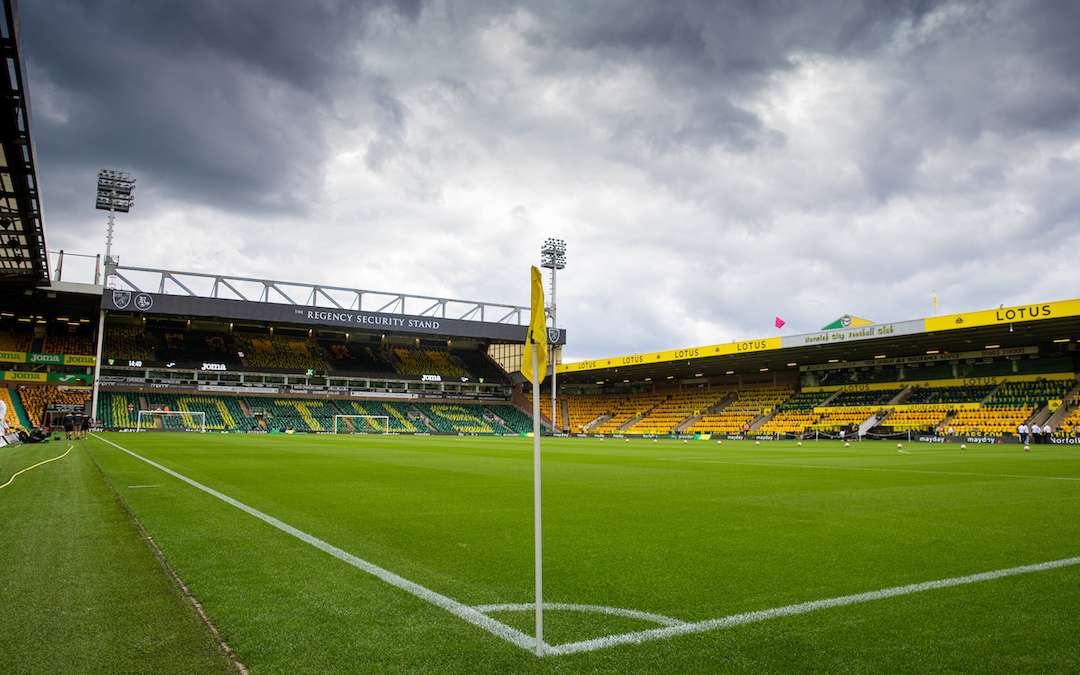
(226, 100)
(390, 116)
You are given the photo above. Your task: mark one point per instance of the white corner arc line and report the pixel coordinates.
(573, 607)
(801, 608)
(463, 611)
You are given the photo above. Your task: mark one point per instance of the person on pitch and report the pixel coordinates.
(69, 423)
(76, 423)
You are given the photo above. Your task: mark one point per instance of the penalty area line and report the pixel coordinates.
(469, 614)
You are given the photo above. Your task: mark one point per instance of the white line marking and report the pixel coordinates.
(596, 609)
(859, 468)
(497, 628)
(802, 608)
(141, 486)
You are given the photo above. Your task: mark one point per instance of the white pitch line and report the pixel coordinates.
(497, 628)
(802, 608)
(861, 468)
(596, 609)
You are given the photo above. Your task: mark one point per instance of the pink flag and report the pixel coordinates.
(779, 322)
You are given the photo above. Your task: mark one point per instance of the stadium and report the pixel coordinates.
(291, 477)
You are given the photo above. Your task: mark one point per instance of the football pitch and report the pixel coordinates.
(340, 554)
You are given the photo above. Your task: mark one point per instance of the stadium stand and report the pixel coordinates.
(953, 394)
(68, 344)
(918, 417)
(300, 414)
(545, 409)
(666, 416)
(584, 411)
(125, 342)
(222, 413)
(456, 417)
(627, 409)
(397, 412)
(11, 418)
(749, 405)
(118, 410)
(355, 358)
(796, 414)
(840, 420)
(1071, 423)
(35, 400)
(513, 420)
(418, 361)
(990, 421)
(865, 398)
(280, 351)
(480, 366)
(1011, 404)
(182, 421)
(16, 341)
(194, 347)
(1029, 394)
(789, 423)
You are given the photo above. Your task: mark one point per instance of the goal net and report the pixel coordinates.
(173, 420)
(361, 424)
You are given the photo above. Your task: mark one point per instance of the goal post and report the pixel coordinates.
(172, 420)
(361, 424)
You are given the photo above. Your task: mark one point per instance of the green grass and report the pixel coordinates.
(693, 531)
(81, 591)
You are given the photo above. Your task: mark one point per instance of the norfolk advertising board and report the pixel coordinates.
(219, 308)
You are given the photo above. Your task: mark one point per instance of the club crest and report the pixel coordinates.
(121, 299)
(554, 334)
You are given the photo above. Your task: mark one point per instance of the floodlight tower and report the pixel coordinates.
(553, 257)
(114, 190)
(114, 193)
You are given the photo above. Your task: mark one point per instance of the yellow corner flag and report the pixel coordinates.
(537, 332)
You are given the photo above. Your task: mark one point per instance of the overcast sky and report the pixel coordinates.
(711, 165)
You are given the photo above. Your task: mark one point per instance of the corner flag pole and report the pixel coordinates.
(534, 365)
(536, 505)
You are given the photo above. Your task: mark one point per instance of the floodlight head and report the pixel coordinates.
(553, 254)
(114, 191)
